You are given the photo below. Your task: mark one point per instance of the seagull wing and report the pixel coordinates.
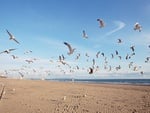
(90, 70)
(10, 35)
(2, 52)
(16, 40)
(69, 46)
(11, 49)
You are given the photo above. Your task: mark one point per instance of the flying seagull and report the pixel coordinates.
(101, 23)
(84, 34)
(71, 50)
(11, 37)
(14, 57)
(132, 48)
(119, 40)
(97, 54)
(137, 26)
(90, 70)
(7, 51)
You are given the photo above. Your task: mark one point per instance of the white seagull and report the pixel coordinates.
(101, 23)
(84, 34)
(137, 26)
(11, 37)
(71, 50)
(7, 51)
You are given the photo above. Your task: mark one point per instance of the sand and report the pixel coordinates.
(28, 96)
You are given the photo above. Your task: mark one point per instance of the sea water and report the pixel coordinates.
(107, 81)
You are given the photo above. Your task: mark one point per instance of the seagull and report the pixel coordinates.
(84, 34)
(26, 52)
(130, 64)
(116, 52)
(86, 54)
(71, 50)
(119, 41)
(14, 57)
(119, 67)
(101, 23)
(78, 56)
(93, 62)
(137, 26)
(119, 57)
(102, 54)
(22, 75)
(127, 56)
(11, 37)
(109, 68)
(112, 56)
(141, 72)
(7, 51)
(132, 48)
(29, 61)
(90, 70)
(97, 54)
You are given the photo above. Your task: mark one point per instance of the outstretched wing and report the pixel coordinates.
(69, 46)
(9, 33)
(11, 49)
(16, 41)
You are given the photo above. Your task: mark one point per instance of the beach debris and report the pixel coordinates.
(64, 98)
(2, 92)
(71, 50)
(11, 37)
(84, 95)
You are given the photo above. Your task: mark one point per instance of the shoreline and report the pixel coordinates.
(42, 96)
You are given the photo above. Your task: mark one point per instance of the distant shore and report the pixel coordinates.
(39, 96)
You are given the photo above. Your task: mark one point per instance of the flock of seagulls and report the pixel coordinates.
(62, 60)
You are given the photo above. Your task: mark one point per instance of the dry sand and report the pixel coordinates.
(28, 96)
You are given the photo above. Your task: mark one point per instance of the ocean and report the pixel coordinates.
(107, 81)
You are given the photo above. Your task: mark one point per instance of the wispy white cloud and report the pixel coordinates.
(120, 25)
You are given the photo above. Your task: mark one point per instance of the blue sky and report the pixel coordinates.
(42, 26)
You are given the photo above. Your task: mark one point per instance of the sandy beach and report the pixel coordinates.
(36, 96)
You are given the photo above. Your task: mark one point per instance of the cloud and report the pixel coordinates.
(120, 25)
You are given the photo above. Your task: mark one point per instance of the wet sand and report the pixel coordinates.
(36, 96)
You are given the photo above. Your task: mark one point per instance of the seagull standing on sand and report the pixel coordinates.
(71, 50)
(11, 37)
(101, 23)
